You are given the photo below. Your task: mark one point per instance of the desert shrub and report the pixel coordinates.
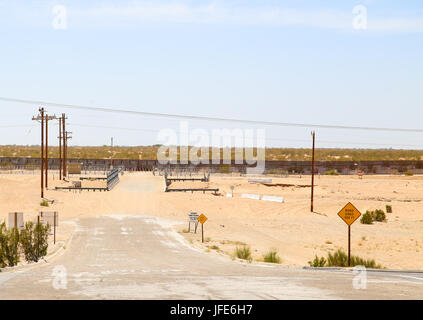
(272, 257)
(337, 259)
(367, 217)
(408, 173)
(44, 203)
(388, 208)
(9, 246)
(34, 241)
(368, 263)
(379, 215)
(244, 253)
(331, 172)
(3, 235)
(340, 259)
(317, 262)
(370, 216)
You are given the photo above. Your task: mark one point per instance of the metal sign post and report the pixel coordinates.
(349, 214)
(55, 219)
(202, 219)
(51, 218)
(16, 220)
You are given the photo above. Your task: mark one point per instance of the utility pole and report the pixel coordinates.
(64, 144)
(65, 151)
(47, 118)
(60, 148)
(312, 170)
(40, 117)
(111, 154)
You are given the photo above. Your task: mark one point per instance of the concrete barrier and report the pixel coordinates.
(259, 180)
(272, 198)
(250, 196)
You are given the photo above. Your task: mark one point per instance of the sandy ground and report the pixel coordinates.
(288, 227)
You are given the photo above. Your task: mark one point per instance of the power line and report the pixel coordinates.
(17, 126)
(204, 118)
(270, 139)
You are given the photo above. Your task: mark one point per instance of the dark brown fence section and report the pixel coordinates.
(272, 167)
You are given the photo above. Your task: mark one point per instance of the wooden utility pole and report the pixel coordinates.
(47, 118)
(64, 144)
(65, 151)
(111, 154)
(40, 117)
(60, 148)
(312, 171)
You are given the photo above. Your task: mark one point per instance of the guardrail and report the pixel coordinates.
(215, 191)
(112, 179)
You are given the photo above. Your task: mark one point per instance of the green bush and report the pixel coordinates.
(368, 263)
(408, 173)
(9, 246)
(370, 216)
(340, 259)
(34, 241)
(388, 208)
(244, 253)
(44, 203)
(331, 172)
(317, 262)
(3, 237)
(272, 257)
(367, 218)
(379, 215)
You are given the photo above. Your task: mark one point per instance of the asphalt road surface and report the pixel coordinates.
(137, 257)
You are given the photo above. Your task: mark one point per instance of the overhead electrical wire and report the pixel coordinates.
(206, 118)
(270, 139)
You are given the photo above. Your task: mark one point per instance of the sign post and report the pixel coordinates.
(202, 219)
(193, 217)
(349, 214)
(52, 219)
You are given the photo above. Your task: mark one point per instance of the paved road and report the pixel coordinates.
(136, 257)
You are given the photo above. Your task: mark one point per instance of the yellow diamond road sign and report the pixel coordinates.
(349, 213)
(202, 218)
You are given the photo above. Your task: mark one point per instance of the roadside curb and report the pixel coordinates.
(369, 270)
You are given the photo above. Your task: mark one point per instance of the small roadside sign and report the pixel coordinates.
(202, 218)
(193, 218)
(349, 214)
(16, 220)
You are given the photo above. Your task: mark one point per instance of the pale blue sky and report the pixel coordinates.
(288, 61)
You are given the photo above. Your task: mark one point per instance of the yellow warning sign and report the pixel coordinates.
(349, 213)
(202, 218)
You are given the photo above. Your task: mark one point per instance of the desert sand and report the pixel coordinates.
(289, 227)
